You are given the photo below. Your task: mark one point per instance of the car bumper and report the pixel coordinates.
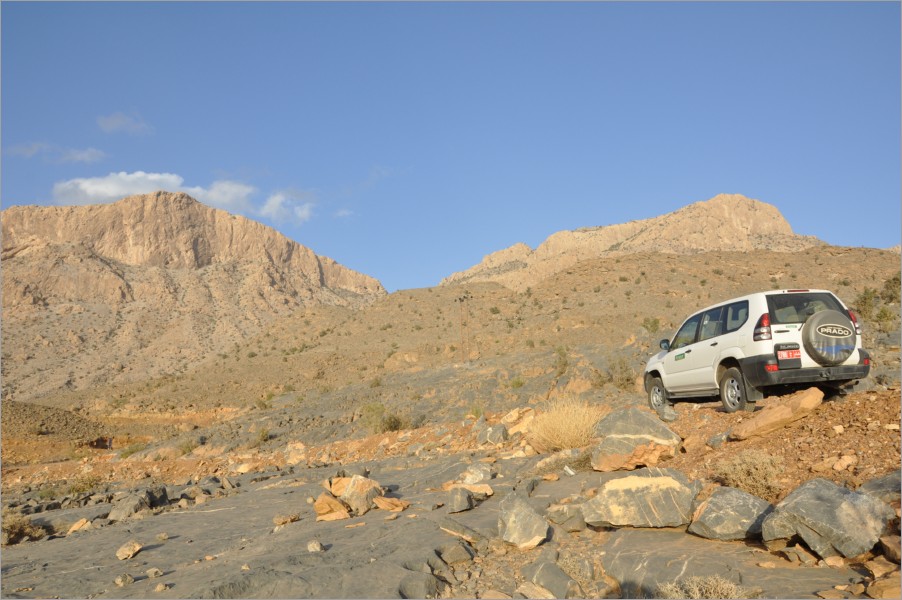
(758, 376)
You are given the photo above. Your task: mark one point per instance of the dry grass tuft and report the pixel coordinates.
(753, 471)
(566, 423)
(19, 528)
(713, 586)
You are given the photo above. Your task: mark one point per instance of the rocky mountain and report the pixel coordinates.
(727, 222)
(148, 284)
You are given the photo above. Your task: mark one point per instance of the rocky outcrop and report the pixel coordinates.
(725, 222)
(159, 278)
(648, 497)
(778, 415)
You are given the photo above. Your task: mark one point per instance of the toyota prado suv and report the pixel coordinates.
(739, 348)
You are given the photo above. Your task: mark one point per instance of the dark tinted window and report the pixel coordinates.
(712, 323)
(686, 334)
(798, 306)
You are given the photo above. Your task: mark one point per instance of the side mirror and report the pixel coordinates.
(665, 345)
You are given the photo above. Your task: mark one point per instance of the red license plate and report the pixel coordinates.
(788, 354)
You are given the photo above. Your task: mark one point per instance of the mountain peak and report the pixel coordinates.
(730, 222)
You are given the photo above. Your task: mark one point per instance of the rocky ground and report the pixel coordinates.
(242, 522)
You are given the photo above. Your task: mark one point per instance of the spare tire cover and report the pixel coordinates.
(829, 337)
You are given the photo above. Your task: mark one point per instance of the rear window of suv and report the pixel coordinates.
(796, 307)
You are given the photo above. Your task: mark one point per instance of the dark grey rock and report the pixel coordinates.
(496, 434)
(459, 500)
(642, 559)
(629, 422)
(421, 585)
(730, 514)
(831, 519)
(456, 553)
(625, 430)
(519, 524)
(128, 506)
(551, 577)
(716, 441)
(667, 414)
(648, 497)
(568, 516)
(477, 473)
(887, 488)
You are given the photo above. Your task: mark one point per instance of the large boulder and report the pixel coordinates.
(359, 493)
(887, 488)
(778, 415)
(831, 519)
(519, 523)
(730, 514)
(648, 497)
(632, 438)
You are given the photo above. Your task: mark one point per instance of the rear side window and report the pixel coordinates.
(798, 306)
(736, 315)
(712, 323)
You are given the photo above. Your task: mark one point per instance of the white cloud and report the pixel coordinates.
(228, 195)
(343, 213)
(122, 123)
(287, 206)
(57, 154)
(233, 196)
(93, 190)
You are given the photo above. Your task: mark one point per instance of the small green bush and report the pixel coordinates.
(651, 324)
(517, 383)
(866, 302)
(892, 289)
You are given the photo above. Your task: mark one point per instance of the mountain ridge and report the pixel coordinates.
(726, 222)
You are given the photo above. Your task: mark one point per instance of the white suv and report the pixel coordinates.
(742, 346)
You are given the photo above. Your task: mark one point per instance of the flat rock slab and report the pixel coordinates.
(227, 547)
(648, 497)
(641, 559)
(730, 514)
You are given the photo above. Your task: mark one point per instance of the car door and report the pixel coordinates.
(707, 350)
(679, 362)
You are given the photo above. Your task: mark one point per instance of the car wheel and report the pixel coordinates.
(657, 395)
(732, 390)
(829, 337)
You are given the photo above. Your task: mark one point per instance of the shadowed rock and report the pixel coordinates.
(648, 497)
(886, 488)
(459, 500)
(359, 494)
(551, 577)
(730, 514)
(831, 519)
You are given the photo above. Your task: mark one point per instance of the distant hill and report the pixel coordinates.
(148, 285)
(727, 222)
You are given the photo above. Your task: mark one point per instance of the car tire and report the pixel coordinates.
(732, 390)
(829, 337)
(657, 395)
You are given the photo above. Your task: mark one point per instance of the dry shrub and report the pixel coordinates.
(566, 423)
(18, 528)
(753, 471)
(713, 586)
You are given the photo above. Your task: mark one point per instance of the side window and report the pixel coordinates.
(712, 323)
(686, 334)
(736, 315)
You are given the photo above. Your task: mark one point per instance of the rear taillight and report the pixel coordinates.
(762, 328)
(855, 323)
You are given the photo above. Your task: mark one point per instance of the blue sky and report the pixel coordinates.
(408, 140)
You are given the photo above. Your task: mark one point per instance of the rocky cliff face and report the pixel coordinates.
(727, 222)
(147, 285)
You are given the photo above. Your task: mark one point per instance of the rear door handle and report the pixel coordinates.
(688, 351)
(714, 344)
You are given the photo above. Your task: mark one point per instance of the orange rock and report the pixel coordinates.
(330, 508)
(776, 416)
